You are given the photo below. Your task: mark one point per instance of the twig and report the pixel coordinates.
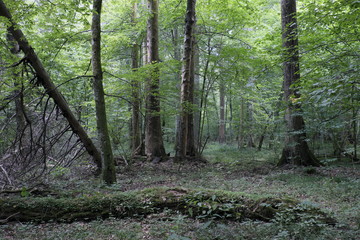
(7, 219)
(6, 175)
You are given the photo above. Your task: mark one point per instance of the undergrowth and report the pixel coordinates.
(335, 188)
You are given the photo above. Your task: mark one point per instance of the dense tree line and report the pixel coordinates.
(170, 76)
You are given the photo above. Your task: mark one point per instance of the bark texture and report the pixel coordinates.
(296, 150)
(135, 94)
(108, 164)
(44, 79)
(186, 139)
(154, 147)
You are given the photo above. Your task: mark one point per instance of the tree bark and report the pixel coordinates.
(45, 80)
(187, 87)
(296, 150)
(108, 164)
(154, 146)
(191, 149)
(221, 137)
(136, 104)
(196, 96)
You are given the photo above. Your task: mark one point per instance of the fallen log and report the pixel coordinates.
(195, 203)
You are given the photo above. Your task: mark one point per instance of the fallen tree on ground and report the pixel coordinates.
(204, 204)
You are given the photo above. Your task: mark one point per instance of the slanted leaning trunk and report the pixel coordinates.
(44, 79)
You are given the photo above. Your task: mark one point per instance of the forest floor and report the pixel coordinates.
(335, 188)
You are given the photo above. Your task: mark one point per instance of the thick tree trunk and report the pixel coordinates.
(187, 86)
(154, 147)
(108, 164)
(44, 79)
(136, 104)
(296, 150)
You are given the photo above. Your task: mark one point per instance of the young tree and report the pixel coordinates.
(222, 123)
(296, 150)
(154, 146)
(108, 165)
(185, 142)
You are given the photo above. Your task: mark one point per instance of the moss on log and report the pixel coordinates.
(197, 203)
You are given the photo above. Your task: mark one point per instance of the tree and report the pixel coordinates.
(18, 92)
(222, 122)
(44, 79)
(136, 143)
(108, 164)
(154, 146)
(186, 139)
(296, 150)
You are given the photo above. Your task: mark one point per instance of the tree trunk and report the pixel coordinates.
(262, 137)
(196, 96)
(296, 150)
(230, 131)
(44, 79)
(250, 119)
(177, 56)
(191, 149)
(136, 104)
(108, 164)
(241, 125)
(207, 204)
(222, 114)
(187, 86)
(204, 95)
(154, 147)
(18, 92)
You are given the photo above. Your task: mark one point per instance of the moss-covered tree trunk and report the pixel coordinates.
(205, 204)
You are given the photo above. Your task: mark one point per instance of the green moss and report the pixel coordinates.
(197, 203)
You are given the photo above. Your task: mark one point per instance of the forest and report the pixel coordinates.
(179, 119)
